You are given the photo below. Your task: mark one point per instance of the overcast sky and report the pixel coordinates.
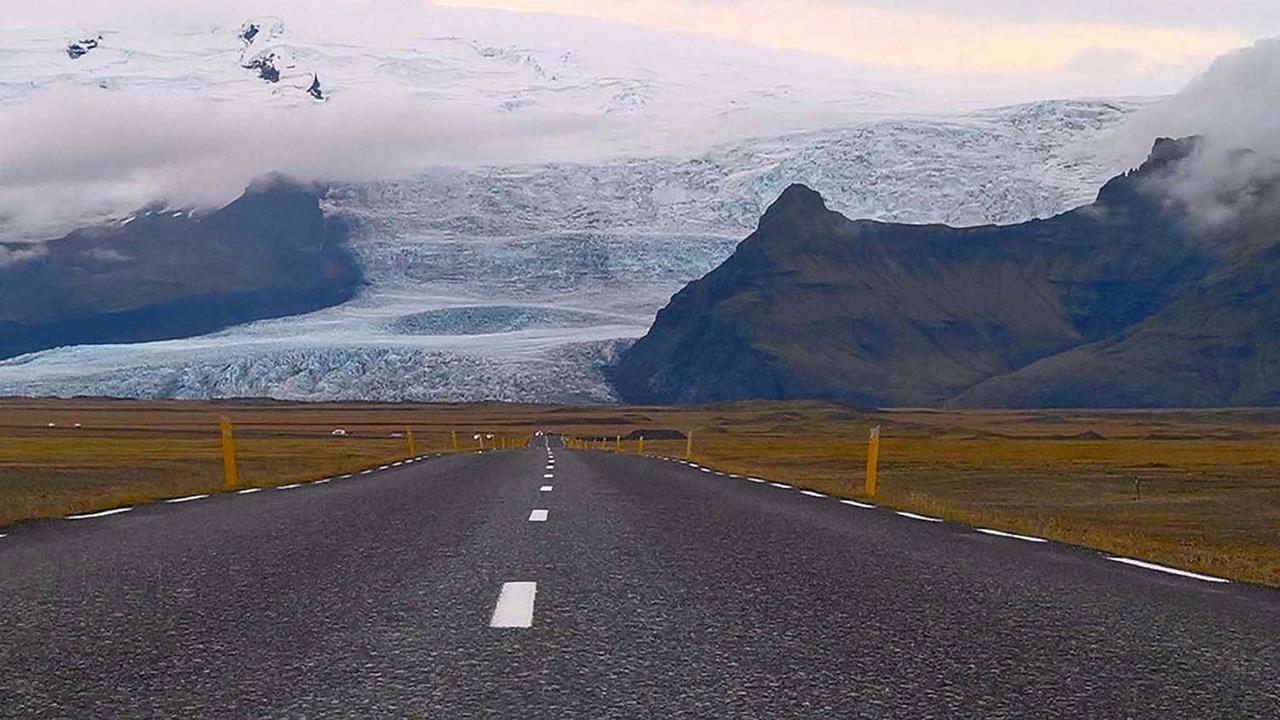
(1022, 48)
(1064, 47)
(71, 153)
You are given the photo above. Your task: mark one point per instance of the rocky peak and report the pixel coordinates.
(1133, 187)
(796, 200)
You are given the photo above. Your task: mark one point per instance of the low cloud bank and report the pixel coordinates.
(73, 155)
(1233, 104)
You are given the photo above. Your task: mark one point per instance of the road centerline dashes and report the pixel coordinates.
(514, 608)
(538, 516)
(545, 488)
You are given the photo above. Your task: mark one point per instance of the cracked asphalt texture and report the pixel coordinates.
(663, 592)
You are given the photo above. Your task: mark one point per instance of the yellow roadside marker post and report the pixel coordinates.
(640, 446)
(413, 447)
(618, 442)
(230, 475)
(688, 446)
(873, 462)
(454, 435)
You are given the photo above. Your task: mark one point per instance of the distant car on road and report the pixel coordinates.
(338, 432)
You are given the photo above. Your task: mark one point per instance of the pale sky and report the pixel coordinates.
(1065, 46)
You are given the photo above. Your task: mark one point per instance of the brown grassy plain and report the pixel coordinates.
(1193, 489)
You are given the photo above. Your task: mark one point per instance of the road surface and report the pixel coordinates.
(603, 586)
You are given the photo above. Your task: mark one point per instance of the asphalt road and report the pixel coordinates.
(650, 589)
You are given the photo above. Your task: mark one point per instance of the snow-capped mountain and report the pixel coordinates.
(511, 261)
(519, 283)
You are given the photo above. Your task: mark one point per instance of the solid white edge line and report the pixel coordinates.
(248, 490)
(855, 503)
(514, 608)
(1001, 533)
(538, 516)
(811, 493)
(914, 516)
(104, 513)
(1172, 571)
(188, 498)
(546, 488)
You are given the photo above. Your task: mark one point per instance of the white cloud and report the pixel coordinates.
(1233, 105)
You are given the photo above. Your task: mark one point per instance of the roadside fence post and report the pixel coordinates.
(231, 477)
(873, 462)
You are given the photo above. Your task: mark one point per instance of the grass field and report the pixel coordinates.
(1194, 489)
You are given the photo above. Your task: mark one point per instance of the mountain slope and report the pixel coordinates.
(813, 305)
(169, 274)
(614, 240)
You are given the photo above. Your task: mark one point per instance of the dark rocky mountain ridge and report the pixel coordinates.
(1133, 300)
(171, 274)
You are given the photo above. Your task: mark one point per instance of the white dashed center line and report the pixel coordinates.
(914, 516)
(1171, 571)
(188, 498)
(548, 476)
(999, 533)
(755, 480)
(811, 493)
(289, 487)
(321, 482)
(784, 486)
(855, 503)
(248, 490)
(538, 516)
(545, 488)
(365, 472)
(104, 513)
(515, 605)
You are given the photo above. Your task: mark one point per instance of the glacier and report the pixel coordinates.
(514, 275)
(520, 283)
